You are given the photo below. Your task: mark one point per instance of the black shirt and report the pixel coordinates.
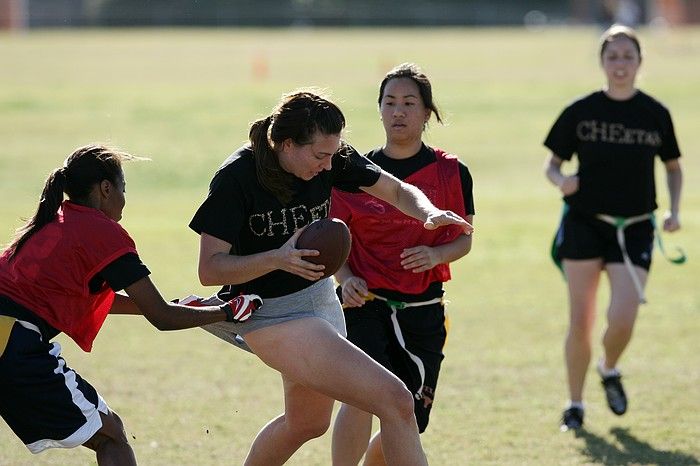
(241, 212)
(120, 273)
(616, 143)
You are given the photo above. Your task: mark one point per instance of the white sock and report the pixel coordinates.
(605, 372)
(575, 404)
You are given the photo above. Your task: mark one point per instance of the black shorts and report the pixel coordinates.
(408, 342)
(44, 402)
(582, 236)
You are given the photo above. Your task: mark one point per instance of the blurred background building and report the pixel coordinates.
(19, 14)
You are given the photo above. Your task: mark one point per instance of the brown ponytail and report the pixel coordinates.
(298, 116)
(270, 174)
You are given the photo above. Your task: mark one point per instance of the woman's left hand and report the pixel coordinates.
(419, 259)
(671, 222)
(441, 218)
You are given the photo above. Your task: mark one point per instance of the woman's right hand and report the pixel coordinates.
(569, 185)
(354, 291)
(290, 259)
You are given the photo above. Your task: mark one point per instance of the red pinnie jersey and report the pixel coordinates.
(380, 232)
(50, 274)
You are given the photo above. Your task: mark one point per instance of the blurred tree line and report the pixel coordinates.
(48, 13)
(292, 12)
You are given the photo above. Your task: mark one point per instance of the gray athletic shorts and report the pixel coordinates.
(318, 300)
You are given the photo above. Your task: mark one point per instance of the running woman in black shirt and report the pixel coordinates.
(616, 133)
(258, 203)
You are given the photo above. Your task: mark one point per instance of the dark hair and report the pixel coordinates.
(84, 168)
(615, 32)
(414, 73)
(298, 116)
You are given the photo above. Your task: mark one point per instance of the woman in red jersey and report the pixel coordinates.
(60, 274)
(392, 283)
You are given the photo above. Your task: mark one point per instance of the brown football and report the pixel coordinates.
(330, 237)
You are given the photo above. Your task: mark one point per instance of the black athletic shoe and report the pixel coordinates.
(572, 419)
(617, 400)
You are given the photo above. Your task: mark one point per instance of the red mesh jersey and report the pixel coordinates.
(380, 232)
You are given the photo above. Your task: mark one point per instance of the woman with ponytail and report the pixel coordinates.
(259, 201)
(60, 274)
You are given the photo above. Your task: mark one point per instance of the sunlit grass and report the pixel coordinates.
(184, 98)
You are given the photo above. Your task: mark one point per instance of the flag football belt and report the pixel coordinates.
(395, 306)
(401, 304)
(620, 223)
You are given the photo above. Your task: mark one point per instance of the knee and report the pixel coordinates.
(97, 441)
(398, 402)
(112, 430)
(307, 429)
(621, 317)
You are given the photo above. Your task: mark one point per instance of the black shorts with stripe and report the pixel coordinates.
(581, 236)
(45, 403)
(380, 332)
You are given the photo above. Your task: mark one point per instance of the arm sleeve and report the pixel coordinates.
(121, 272)
(669, 148)
(561, 139)
(467, 189)
(221, 213)
(352, 170)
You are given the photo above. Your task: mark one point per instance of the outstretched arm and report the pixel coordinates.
(412, 202)
(144, 298)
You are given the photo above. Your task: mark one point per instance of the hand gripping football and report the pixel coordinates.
(330, 237)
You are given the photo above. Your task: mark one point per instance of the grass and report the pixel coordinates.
(184, 98)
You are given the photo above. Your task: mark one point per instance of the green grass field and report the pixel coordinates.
(184, 98)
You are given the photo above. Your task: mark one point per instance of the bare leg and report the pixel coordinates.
(110, 443)
(351, 433)
(375, 454)
(307, 415)
(622, 312)
(583, 277)
(310, 352)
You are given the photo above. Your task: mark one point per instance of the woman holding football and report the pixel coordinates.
(259, 201)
